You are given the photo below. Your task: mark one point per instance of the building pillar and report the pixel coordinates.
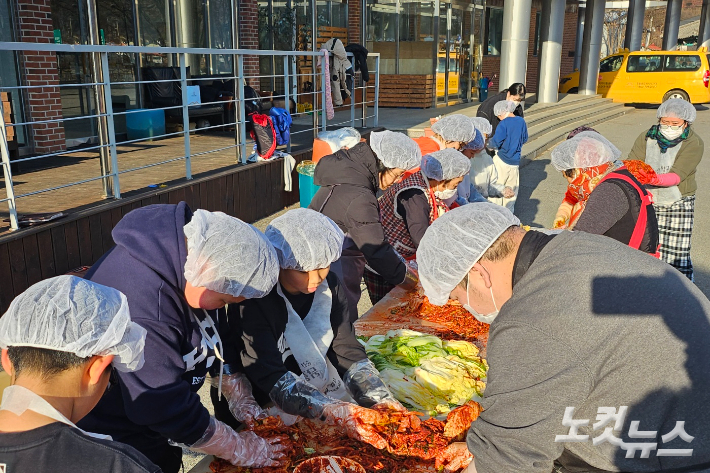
(249, 39)
(514, 48)
(671, 25)
(34, 25)
(704, 31)
(634, 25)
(354, 21)
(591, 47)
(552, 23)
(581, 11)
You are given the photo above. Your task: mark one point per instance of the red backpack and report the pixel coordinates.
(263, 133)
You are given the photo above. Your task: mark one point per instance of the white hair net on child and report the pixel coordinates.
(445, 164)
(476, 143)
(482, 125)
(616, 152)
(346, 137)
(455, 242)
(677, 108)
(229, 256)
(454, 127)
(504, 106)
(74, 315)
(395, 150)
(580, 153)
(305, 240)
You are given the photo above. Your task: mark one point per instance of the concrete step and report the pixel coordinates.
(561, 110)
(590, 109)
(536, 147)
(536, 110)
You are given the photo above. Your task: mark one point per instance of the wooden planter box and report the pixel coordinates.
(407, 90)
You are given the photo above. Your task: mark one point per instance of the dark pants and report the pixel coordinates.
(169, 458)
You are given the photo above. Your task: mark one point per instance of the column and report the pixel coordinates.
(514, 48)
(581, 10)
(634, 25)
(354, 21)
(591, 47)
(552, 22)
(704, 31)
(672, 24)
(249, 39)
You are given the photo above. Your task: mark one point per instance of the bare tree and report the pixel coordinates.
(614, 30)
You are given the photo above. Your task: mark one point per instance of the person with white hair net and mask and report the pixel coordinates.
(177, 269)
(61, 340)
(349, 181)
(298, 343)
(609, 200)
(572, 318)
(508, 139)
(450, 131)
(674, 150)
(483, 175)
(408, 208)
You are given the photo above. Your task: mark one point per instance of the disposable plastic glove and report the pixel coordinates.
(357, 421)
(665, 180)
(237, 389)
(508, 193)
(563, 215)
(239, 448)
(454, 457)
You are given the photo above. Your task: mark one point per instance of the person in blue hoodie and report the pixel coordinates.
(509, 137)
(177, 269)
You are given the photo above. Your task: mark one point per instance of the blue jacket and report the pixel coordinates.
(510, 136)
(160, 401)
(282, 124)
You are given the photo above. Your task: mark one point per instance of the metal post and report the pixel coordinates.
(471, 40)
(287, 95)
(704, 31)
(9, 189)
(435, 44)
(314, 48)
(552, 22)
(581, 13)
(324, 78)
(396, 36)
(591, 47)
(353, 97)
(448, 53)
(514, 48)
(241, 121)
(185, 116)
(377, 90)
(111, 127)
(364, 104)
(634, 25)
(671, 25)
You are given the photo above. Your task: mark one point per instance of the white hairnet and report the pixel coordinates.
(455, 242)
(476, 143)
(74, 315)
(455, 127)
(616, 152)
(445, 164)
(305, 240)
(342, 138)
(580, 153)
(229, 256)
(395, 150)
(677, 108)
(482, 125)
(504, 106)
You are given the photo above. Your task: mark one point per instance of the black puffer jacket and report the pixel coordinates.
(485, 110)
(351, 175)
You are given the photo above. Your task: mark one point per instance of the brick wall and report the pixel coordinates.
(34, 25)
(354, 21)
(249, 38)
(533, 59)
(569, 38)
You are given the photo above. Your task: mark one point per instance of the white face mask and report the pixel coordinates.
(445, 194)
(486, 319)
(517, 104)
(669, 132)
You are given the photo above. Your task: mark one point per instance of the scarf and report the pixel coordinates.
(664, 143)
(583, 185)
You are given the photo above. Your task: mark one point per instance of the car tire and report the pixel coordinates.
(573, 90)
(676, 94)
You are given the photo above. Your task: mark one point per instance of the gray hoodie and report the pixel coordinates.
(593, 324)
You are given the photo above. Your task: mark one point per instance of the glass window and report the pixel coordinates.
(494, 31)
(8, 73)
(682, 63)
(611, 64)
(536, 44)
(646, 63)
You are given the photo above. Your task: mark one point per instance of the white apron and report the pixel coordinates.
(662, 164)
(309, 340)
(18, 399)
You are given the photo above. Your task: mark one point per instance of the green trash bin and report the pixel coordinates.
(306, 188)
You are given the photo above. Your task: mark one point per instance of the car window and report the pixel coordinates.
(645, 63)
(442, 65)
(682, 63)
(611, 64)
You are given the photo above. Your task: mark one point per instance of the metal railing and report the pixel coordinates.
(109, 146)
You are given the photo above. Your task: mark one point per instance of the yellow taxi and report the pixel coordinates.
(650, 76)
